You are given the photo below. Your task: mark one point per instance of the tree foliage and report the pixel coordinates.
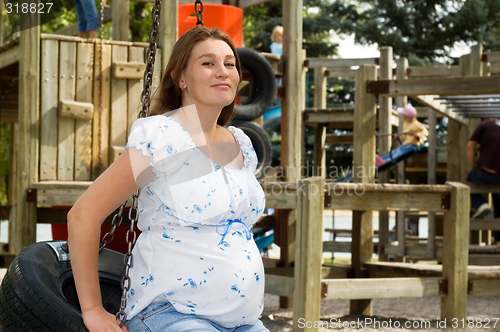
(259, 22)
(427, 29)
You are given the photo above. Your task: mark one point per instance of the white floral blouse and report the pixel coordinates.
(196, 248)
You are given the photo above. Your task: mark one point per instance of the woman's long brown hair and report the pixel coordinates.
(168, 97)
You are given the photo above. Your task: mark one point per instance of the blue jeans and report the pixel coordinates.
(161, 316)
(86, 12)
(398, 152)
(476, 176)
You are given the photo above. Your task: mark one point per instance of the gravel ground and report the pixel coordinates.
(388, 313)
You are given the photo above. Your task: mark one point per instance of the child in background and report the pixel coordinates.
(277, 40)
(413, 134)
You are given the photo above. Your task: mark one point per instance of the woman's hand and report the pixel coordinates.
(99, 320)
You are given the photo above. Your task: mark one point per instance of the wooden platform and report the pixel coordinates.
(392, 269)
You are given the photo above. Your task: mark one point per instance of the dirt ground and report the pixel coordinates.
(417, 314)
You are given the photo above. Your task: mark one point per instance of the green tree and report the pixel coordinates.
(259, 22)
(426, 29)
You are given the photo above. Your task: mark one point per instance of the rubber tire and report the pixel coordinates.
(261, 143)
(264, 85)
(38, 293)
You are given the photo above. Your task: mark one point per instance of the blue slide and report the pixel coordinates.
(392, 158)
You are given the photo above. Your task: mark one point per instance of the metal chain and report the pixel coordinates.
(150, 60)
(131, 236)
(199, 12)
(128, 259)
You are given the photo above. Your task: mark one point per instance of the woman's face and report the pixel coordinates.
(210, 78)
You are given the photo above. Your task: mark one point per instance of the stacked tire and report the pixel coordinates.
(262, 95)
(38, 293)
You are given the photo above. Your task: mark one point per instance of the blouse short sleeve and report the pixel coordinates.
(161, 141)
(246, 148)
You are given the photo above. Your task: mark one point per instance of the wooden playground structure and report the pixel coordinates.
(72, 101)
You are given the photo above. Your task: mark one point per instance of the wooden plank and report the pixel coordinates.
(70, 109)
(274, 60)
(10, 56)
(128, 70)
(363, 159)
(431, 179)
(494, 68)
(412, 250)
(330, 271)
(339, 139)
(429, 101)
(492, 56)
(482, 189)
(291, 123)
(381, 288)
(120, 12)
(442, 86)
(29, 119)
(346, 72)
(168, 34)
(326, 62)
(384, 142)
(477, 64)
(485, 260)
(433, 71)
(100, 130)
(12, 190)
(66, 127)
(326, 116)
(308, 253)
(454, 151)
(83, 128)
(119, 113)
(319, 153)
(115, 152)
(135, 54)
(483, 224)
(455, 253)
(485, 287)
(336, 246)
(48, 109)
(279, 285)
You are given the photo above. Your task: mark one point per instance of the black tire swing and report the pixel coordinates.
(261, 144)
(38, 292)
(263, 89)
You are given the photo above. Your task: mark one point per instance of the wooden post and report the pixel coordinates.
(83, 128)
(1, 22)
(291, 121)
(456, 253)
(384, 143)
(309, 252)
(12, 195)
(400, 215)
(453, 156)
(27, 163)
(169, 18)
(477, 70)
(365, 115)
(120, 18)
(431, 179)
(319, 153)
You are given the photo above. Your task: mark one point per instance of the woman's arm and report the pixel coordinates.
(106, 194)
